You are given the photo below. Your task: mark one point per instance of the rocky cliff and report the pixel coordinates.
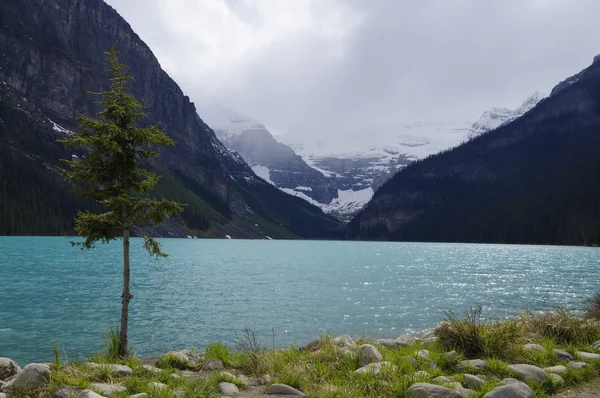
(273, 161)
(53, 57)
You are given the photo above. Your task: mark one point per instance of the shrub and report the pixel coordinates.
(562, 326)
(475, 338)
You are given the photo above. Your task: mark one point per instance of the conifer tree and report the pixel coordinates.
(112, 173)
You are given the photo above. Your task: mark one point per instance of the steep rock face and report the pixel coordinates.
(275, 162)
(53, 55)
(534, 180)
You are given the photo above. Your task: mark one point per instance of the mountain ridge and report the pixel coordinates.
(53, 55)
(534, 180)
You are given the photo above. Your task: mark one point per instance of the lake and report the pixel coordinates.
(210, 290)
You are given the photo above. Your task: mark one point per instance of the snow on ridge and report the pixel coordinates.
(412, 141)
(496, 117)
(226, 121)
(349, 201)
(263, 172)
(60, 129)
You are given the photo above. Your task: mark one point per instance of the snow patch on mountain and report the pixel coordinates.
(60, 129)
(349, 201)
(496, 117)
(413, 141)
(263, 172)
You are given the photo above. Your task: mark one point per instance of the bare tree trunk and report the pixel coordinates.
(126, 297)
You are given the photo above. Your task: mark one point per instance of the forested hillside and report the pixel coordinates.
(535, 180)
(53, 57)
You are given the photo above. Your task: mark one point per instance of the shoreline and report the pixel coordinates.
(327, 240)
(543, 353)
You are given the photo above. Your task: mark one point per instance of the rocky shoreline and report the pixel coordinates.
(428, 369)
(535, 355)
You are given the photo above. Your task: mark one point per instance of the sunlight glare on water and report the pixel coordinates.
(210, 290)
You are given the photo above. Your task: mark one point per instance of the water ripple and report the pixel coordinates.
(209, 290)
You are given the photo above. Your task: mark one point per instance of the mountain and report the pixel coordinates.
(340, 175)
(52, 57)
(496, 117)
(358, 163)
(273, 161)
(533, 180)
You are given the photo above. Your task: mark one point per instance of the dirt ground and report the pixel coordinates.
(589, 390)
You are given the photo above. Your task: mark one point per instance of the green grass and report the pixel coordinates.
(330, 372)
(475, 338)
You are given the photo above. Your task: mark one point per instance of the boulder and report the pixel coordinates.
(151, 369)
(215, 364)
(410, 360)
(406, 340)
(471, 363)
(140, 395)
(442, 380)
(529, 372)
(312, 346)
(577, 365)
(174, 376)
(33, 376)
(533, 348)
(283, 389)
(423, 354)
(108, 389)
(119, 370)
(596, 344)
(374, 368)
(451, 354)
(512, 390)
(587, 355)
(367, 354)
(186, 359)
(556, 378)
(344, 341)
(226, 388)
(344, 351)
(559, 370)
(157, 386)
(389, 343)
(4, 395)
(473, 382)
(563, 355)
(179, 393)
(429, 340)
(425, 390)
(8, 368)
(89, 394)
(464, 392)
(508, 380)
(66, 392)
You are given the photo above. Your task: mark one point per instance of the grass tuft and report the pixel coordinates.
(475, 338)
(562, 326)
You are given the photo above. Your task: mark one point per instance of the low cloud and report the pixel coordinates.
(326, 66)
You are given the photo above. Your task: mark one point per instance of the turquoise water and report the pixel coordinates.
(210, 290)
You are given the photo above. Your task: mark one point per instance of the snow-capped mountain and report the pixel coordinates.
(340, 174)
(496, 117)
(273, 161)
(358, 163)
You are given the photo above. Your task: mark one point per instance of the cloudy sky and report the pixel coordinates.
(325, 65)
